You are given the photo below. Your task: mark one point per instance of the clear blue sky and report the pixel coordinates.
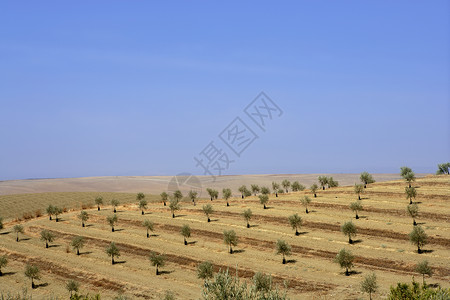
(93, 88)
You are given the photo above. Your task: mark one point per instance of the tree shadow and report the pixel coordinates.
(427, 251)
(434, 285)
(312, 211)
(8, 273)
(120, 229)
(86, 253)
(3, 233)
(192, 243)
(178, 216)
(421, 223)
(120, 262)
(165, 272)
(353, 272)
(291, 261)
(40, 285)
(417, 202)
(155, 235)
(256, 225)
(215, 220)
(88, 225)
(239, 251)
(146, 213)
(119, 211)
(24, 239)
(268, 207)
(301, 233)
(54, 246)
(356, 241)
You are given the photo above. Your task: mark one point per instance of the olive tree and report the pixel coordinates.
(358, 188)
(418, 237)
(323, 180)
(410, 193)
(186, 232)
(174, 205)
(242, 189)
(230, 238)
(349, 229)
(286, 184)
(369, 285)
(443, 168)
(331, 182)
(262, 282)
(255, 189)
(208, 210)
(314, 187)
(47, 237)
(264, 199)
(265, 190)
(142, 203)
(366, 178)
(164, 197)
(404, 170)
(409, 177)
(18, 229)
(112, 251)
(413, 211)
(33, 273)
(247, 216)
(296, 222)
(193, 195)
(157, 261)
(114, 203)
(1, 223)
(356, 207)
(296, 186)
(78, 243)
(213, 194)
(98, 202)
(57, 211)
(112, 220)
(72, 286)
(345, 260)
(275, 188)
(83, 216)
(177, 195)
(205, 270)
(3, 263)
(226, 194)
(284, 249)
(50, 211)
(424, 269)
(305, 200)
(148, 225)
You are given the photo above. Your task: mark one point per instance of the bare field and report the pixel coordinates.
(382, 241)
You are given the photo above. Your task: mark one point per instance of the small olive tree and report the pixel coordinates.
(114, 203)
(305, 201)
(77, 243)
(443, 168)
(286, 184)
(205, 270)
(208, 210)
(47, 237)
(356, 207)
(411, 193)
(226, 194)
(296, 222)
(247, 216)
(33, 273)
(413, 211)
(323, 180)
(72, 286)
(164, 197)
(177, 195)
(275, 188)
(98, 202)
(186, 232)
(83, 216)
(255, 189)
(157, 261)
(284, 249)
(174, 205)
(349, 229)
(112, 251)
(369, 285)
(3, 263)
(418, 237)
(359, 188)
(142, 203)
(345, 260)
(265, 190)
(50, 211)
(264, 199)
(148, 225)
(193, 196)
(296, 186)
(230, 238)
(314, 187)
(409, 177)
(112, 220)
(424, 269)
(366, 178)
(18, 229)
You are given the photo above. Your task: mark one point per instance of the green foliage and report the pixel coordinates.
(192, 195)
(411, 193)
(314, 187)
(369, 284)
(230, 238)
(265, 190)
(275, 186)
(410, 177)
(366, 178)
(99, 201)
(413, 210)
(358, 188)
(169, 295)
(174, 205)
(296, 222)
(404, 170)
(284, 249)
(255, 189)
(414, 291)
(286, 184)
(57, 211)
(115, 203)
(3, 263)
(305, 200)
(142, 204)
(264, 199)
(157, 261)
(47, 237)
(140, 196)
(177, 195)
(226, 194)
(83, 216)
(296, 186)
(50, 211)
(112, 251)
(349, 229)
(186, 231)
(424, 269)
(33, 273)
(78, 243)
(205, 270)
(356, 207)
(227, 287)
(345, 260)
(72, 286)
(164, 197)
(247, 214)
(323, 180)
(418, 237)
(208, 210)
(443, 168)
(112, 220)
(148, 225)
(332, 183)
(18, 228)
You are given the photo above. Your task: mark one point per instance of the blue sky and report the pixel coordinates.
(93, 88)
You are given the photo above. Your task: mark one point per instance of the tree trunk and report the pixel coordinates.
(50, 217)
(142, 212)
(1, 274)
(265, 206)
(46, 245)
(414, 222)
(418, 249)
(410, 201)
(315, 196)
(248, 225)
(211, 198)
(57, 220)
(112, 229)
(284, 260)
(78, 251)
(296, 231)
(112, 260)
(17, 238)
(307, 211)
(164, 203)
(276, 195)
(173, 215)
(185, 242)
(242, 196)
(32, 283)
(157, 273)
(148, 234)
(350, 241)
(231, 250)
(98, 208)
(410, 185)
(209, 220)
(359, 197)
(228, 204)
(346, 272)
(364, 185)
(323, 188)
(82, 224)
(114, 210)
(357, 217)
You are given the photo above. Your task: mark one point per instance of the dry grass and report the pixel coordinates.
(383, 246)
